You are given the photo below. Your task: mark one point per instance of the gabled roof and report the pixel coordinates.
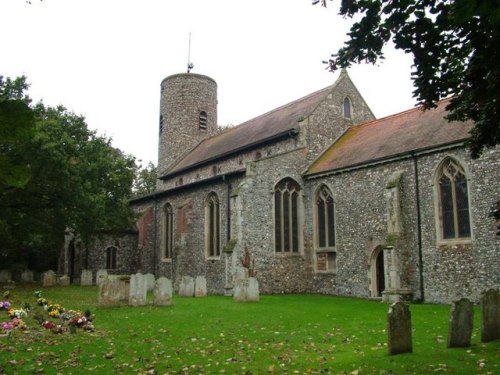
(391, 136)
(279, 122)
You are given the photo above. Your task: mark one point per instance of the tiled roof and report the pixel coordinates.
(268, 126)
(391, 136)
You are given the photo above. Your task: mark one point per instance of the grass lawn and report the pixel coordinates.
(292, 334)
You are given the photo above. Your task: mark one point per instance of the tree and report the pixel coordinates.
(455, 46)
(78, 181)
(145, 180)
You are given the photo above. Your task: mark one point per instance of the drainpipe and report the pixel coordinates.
(419, 228)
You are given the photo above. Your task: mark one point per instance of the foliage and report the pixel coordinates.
(455, 52)
(282, 334)
(78, 181)
(145, 180)
(248, 263)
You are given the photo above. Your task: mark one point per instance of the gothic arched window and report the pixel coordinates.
(347, 107)
(111, 257)
(168, 231)
(453, 197)
(212, 226)
(287, 227)
(325, 227)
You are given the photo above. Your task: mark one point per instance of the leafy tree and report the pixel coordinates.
(145, 180)
(455, 46)
(78, 181)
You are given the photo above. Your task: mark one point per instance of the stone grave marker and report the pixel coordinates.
(110, 292)
(150, 281)
(27, 276)
(49, 278)
(460, 324)
(100, 276)
(200, 286)
(490, 315)
(246, 290)
(138, 290)
(186, 287)
(162, 292)
(253, 290)
(64, 280)
(399, 329)
(86, 278)
(5, 276)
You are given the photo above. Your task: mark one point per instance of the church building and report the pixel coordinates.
(324, 197)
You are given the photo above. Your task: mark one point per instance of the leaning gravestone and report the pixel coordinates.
(64, 280)
(150, 281)
(5, 276)
(27, 276)
(110, 292)
(186, 287)
(49, 278)
(200, 286)
(100, 276)
(460, 324)
(86, 278)
(490, 314)
(138, 290)
(399, 329)
(162, 292)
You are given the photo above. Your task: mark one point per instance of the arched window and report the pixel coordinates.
(111, 258)
(453, 197)
(325, 221)
(203, 120)
(168, 231)
(287, 226)
(212, 226)
(347, 107)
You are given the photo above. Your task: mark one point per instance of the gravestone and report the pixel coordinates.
(49, 278)
(150, 281)
(399, 329)
(64, 280)
(162, 292)
(246, 290)
(110, 292)
(460, 324)
(138, 290)
(86, 278)
(200, 286)
(240, 273)
(100, 276)
(27, 276)
(490, 315)
(186, 287)
(253, 290)
(5, 276)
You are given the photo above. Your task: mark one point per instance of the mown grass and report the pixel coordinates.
(280, 334)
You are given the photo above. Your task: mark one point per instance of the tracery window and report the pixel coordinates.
(287, 228)
(325, 228)
(168, 231)
(453, 195)
(212, 226)
(111, 257)
(347, 107)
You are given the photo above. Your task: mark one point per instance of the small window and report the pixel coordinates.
(168, 231)
(111, 258)
(454, 216)
(258, 155)
(347, 108)
(287, 226)
(212, 226)
(214, 170)
(203, 120)
(161, 124)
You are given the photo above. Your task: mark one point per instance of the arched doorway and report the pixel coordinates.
(377, 271)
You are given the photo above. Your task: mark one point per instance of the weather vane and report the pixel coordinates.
(190, 65)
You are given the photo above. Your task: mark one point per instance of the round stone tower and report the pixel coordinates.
(188, 113)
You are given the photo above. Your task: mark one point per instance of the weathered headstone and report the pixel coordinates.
(246, 290)
(240, 273)
(86, 278)
(5, 276)
(253, 290)
(150, 281)
(27, 276)
(64, 280)
(460, 324)
(490, 315)
(200, 286)
(186, 287)
(110, 292)
(399, 329)
(162, 292)
(49, 278)
(138, 290)
(100, 276)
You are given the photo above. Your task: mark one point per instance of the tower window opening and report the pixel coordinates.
(203, 120)
(161, 124)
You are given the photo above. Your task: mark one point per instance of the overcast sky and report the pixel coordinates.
(105, 59)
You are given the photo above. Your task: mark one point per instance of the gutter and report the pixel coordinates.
(419, 228)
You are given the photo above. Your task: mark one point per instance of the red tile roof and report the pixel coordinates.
(268, 126)
(391, 136)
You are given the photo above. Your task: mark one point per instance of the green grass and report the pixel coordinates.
(280, 334)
